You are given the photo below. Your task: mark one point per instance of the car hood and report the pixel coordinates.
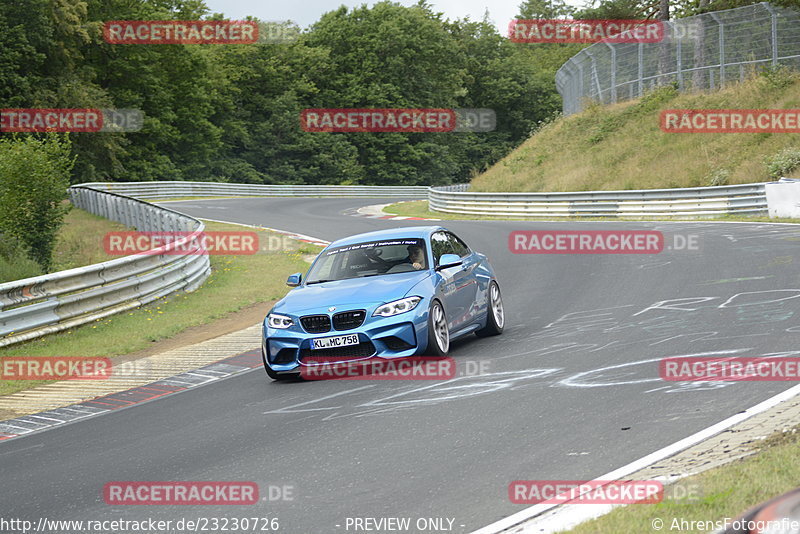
(367, 291)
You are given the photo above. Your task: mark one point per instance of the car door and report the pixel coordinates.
(468, 286)
(456, 282)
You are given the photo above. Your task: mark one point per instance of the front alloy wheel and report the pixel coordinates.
(438, 333)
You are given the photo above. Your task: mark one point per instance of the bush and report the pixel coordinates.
(783, 163)
(34, 176)
(778, 77)
(14, 263)
(718, 177)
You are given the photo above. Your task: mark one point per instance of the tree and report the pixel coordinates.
(544, 9)
(34, 176)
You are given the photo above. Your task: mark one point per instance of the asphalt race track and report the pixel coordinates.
(572, 389)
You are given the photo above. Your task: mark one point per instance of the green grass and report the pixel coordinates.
(235, 282)
(79, 242)
(724, 492)
(621, 146)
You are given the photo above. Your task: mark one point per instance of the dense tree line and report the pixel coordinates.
(231, 112)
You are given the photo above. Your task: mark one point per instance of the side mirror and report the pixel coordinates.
(449, 260)
(294, 279)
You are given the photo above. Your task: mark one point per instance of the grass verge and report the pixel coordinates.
(77, 244)
(235, 283)
(621, 146)
(723, 492)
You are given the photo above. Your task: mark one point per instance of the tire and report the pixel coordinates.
(495, 315)
(438, 333)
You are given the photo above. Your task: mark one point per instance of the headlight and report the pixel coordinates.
(398, 306)
(275, 320)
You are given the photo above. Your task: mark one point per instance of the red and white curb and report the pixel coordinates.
(225, 368)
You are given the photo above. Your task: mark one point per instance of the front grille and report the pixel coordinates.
(396, 344)
(284, 356)
(316, 324)
(349, 319)
(362, 350)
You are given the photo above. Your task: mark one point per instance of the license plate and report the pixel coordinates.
(335, 341)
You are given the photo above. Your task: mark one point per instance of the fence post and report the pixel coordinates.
(721, 49)
(678, 56)
(613, 73)
(773, 32)
(594, 75)
(641, 69)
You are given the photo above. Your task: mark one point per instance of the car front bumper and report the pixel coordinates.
(289, 350)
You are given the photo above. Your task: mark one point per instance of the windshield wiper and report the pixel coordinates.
(318, 282)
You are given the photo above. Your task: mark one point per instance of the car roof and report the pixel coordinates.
(409, 232)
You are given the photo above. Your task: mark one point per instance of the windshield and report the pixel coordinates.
(369, 259)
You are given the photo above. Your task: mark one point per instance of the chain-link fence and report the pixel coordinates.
(701, 52)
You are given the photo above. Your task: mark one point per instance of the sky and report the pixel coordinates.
(306, 12)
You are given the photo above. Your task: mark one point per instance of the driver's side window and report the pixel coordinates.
(440, 244)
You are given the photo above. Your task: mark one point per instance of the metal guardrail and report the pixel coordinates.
(40, 305)
(36, 306)
(749, 199)
(700, 52)
(163, 190)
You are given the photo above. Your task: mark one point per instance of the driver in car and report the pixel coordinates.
(416, 256)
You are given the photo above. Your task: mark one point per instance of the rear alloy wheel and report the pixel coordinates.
(438, 333)
(496, 318)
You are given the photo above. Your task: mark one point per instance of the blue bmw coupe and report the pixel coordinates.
(386, 294)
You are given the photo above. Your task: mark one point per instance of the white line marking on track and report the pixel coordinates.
(575, 514)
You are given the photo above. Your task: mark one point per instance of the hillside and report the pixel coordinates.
(622, 146)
